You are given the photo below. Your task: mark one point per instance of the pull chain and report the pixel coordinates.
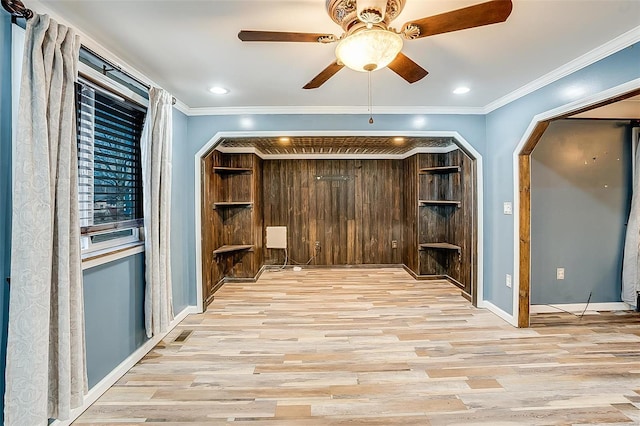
(370, 100)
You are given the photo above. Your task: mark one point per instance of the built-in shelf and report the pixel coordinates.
(231, 204)
(232, 248)
(231, 170)
(439, 170)
(439, 203)
(441, 246)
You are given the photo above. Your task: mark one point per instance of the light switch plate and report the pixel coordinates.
(508, 207)
(508, 280)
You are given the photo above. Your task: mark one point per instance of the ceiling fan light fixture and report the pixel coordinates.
(371, 11)
(369, 49)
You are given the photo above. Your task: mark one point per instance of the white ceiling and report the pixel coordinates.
(186, 46)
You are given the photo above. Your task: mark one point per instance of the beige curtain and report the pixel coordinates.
(46, 373)
(156, 183)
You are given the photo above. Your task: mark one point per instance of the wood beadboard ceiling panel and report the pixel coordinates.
(338, 145)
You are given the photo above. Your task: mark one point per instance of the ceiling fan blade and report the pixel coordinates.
(248, 35)
(407, 69)
(324, 75)
(491, 12)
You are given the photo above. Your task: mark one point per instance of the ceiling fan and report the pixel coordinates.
(369, 43)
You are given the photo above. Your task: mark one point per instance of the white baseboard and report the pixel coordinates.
(498, 312)
(579, 307)
(115, 375)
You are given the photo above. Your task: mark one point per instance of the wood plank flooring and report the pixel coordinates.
(375, 347)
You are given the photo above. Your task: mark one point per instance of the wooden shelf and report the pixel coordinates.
(232, 170)
(439, 203)
(232, 204)
(232, 248)
(441, 246)
(440, 170)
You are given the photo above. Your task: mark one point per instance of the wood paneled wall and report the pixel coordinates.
(355, 210)
(411, 209)
(240, 225)
(454, 225)
(210, 272)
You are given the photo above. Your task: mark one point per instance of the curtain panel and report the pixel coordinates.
(46, 372)
(631, 256)
(156, 146)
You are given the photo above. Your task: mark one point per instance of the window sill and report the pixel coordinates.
(97, 258)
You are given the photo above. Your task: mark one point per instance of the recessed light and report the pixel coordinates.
(461, 90)
(398, 140)
(219, 90)
(284, 140)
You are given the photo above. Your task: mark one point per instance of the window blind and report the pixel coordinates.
(109, 161)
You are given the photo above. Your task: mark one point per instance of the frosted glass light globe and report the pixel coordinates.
(369, 49)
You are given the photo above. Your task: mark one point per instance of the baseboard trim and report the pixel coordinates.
(498, 312)
(413, 274)
(101, 387)
(225, 280)
(576, 308)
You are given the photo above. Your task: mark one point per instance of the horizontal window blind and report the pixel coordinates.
(109, 161)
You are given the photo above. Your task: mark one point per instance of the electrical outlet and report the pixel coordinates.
(317, 246)
(507, 207)
(507, 280)
(394, 244)
(560, 274)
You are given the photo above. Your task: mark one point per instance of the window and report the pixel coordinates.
(109, 168)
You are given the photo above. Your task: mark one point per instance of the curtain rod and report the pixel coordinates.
(17, 9)
(118, 68)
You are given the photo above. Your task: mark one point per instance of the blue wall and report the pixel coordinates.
(5, 186)
(202, 128)
(580, 198)
(114, 314)
(183, 280)
(505, 128)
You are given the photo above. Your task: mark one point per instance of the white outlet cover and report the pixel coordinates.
(560, 274)
(508, 280)
(508, 207)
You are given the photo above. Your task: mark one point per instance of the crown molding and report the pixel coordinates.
(332, 110)
(622, 41)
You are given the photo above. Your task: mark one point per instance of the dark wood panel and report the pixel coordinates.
(210, 272)
(355, 210)
(228, 224)
(450, 224)
(256, 222)
(410, 201)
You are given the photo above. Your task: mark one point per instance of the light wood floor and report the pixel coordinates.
(365, 346)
